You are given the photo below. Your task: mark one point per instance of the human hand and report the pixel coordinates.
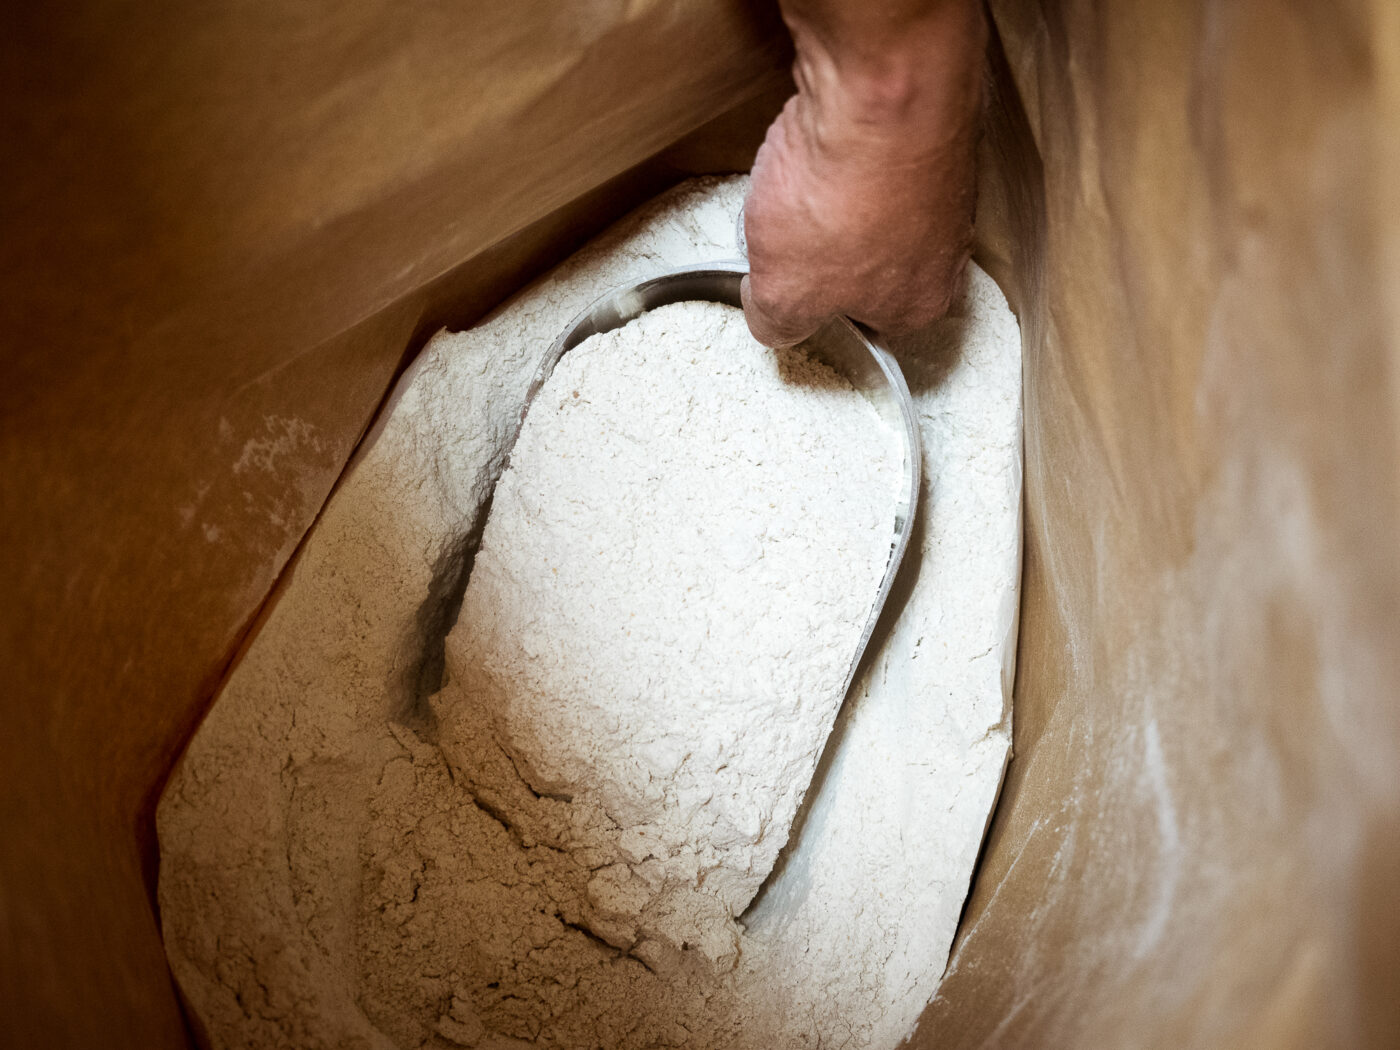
(862, 195)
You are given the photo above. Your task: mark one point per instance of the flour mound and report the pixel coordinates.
(356, 855)
(662, 616)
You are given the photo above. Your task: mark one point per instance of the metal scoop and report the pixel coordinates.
(841, 345)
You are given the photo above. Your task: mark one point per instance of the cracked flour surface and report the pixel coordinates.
(357, 853)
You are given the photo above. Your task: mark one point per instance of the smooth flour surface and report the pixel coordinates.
(394, 832)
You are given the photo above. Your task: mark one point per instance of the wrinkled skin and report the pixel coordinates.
(863, 193)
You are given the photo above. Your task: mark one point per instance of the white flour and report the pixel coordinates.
(340, 868)
(669, 593)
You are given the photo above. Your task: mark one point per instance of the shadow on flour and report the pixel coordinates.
(433, 621)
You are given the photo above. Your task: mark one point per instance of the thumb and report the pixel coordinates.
(773, 326)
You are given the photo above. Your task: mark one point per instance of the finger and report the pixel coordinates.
(935, 297)
(774, 327)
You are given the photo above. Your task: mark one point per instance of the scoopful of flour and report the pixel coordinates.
(661, 618)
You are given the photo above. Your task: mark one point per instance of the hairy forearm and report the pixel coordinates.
(880, 66)
(863, 193)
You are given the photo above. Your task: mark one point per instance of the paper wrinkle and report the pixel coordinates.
(1189, 851)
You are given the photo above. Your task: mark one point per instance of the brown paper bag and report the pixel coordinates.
(226, 226)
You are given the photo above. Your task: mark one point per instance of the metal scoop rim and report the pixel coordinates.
(842, 344)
